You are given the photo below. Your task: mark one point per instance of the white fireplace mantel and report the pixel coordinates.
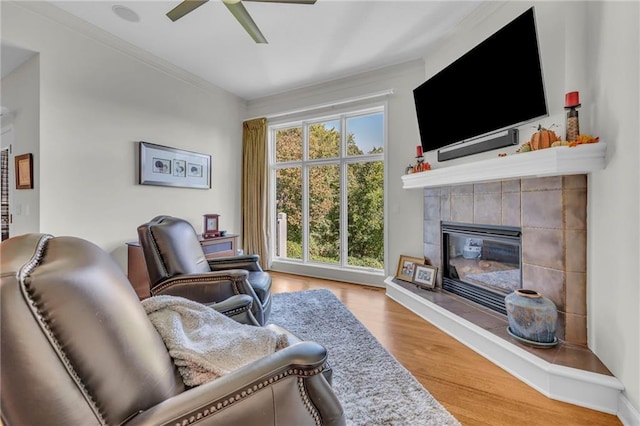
(556, 161)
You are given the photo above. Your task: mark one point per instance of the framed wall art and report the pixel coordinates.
(425, 276)
(166, 166)
(24, 171)
(406, 266)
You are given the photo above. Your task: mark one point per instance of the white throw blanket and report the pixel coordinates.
(204, 343)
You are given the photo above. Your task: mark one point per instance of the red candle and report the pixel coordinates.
(419, 151)
(572, 99)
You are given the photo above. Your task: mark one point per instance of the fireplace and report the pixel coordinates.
(551, 215)
(544, 194)
(482, 263)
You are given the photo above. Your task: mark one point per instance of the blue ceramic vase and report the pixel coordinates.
(531, 316)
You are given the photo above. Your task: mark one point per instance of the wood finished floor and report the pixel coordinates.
(473, 389)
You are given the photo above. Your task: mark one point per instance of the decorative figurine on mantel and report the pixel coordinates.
(571, 103)
(421, 165)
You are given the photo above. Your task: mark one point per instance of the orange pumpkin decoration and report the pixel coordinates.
(543, 138)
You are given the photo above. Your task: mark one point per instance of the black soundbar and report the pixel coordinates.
(506, 138)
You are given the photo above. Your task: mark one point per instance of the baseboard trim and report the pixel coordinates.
(583, 388)
(627, 414)
(355, 276)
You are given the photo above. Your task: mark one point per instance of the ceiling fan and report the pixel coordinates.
(236, 8)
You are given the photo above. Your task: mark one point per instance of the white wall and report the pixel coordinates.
(95, 103)
(613, 42)
(20, 95)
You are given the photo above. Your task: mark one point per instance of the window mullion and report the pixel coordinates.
(344, 212)
(305, 192)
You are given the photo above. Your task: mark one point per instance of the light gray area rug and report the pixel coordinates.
(373, 387)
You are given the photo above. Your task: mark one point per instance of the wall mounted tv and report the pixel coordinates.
(484, 94)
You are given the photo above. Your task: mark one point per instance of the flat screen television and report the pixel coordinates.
(495, 86)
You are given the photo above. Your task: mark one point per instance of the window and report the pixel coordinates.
(328, 190)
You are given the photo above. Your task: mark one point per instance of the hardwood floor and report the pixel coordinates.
(473, 389)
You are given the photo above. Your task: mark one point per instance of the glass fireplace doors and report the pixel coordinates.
(481, 262)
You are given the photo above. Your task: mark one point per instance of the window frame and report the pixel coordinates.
(305, 266)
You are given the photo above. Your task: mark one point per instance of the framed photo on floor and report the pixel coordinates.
(406, 267)
(166, 166)
(425, 276)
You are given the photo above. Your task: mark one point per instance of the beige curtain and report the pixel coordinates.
(255, 203)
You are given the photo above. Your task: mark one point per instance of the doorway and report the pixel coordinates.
(6, 173)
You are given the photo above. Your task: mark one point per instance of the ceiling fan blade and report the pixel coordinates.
(241, 14)
(183, 8)
(286, 1)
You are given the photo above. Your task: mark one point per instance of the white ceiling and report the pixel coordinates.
(308, 44)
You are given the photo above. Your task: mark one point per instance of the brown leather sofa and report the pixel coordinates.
(177, 266)
(78, 349)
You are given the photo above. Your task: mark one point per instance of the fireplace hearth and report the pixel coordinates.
(482, 263)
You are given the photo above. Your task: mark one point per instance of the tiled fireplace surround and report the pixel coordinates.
(552, 213)
(544, 193)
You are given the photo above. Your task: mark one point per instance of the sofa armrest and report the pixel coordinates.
(249, 262)
(237, 307)
(233, 303)
(207, 287)
(252, 394)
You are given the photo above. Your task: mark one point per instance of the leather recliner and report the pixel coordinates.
(177, 266)
(78, 349)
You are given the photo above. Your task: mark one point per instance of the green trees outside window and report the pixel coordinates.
(329, 197)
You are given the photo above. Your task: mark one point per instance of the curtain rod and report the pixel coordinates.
(387, 92)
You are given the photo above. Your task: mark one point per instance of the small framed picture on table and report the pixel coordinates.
(425, 276)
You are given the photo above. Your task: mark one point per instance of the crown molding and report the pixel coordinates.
(73, 23)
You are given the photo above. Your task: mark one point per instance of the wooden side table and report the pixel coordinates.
(137, 268)
(219, 246)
